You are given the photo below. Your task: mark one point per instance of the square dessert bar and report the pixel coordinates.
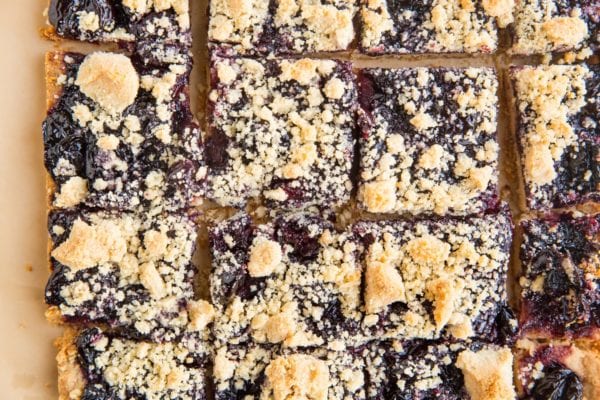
(439, 370)
(132, 272)
(281, 27)
(557, 370)
(120, 136)
(558, 133)
(280, 129)
(543, 26)
(428, 141)
(432, 26)
(437, 278)
(254, 372)
(560, 258)
(156, 31)
(291, 282)
(98, 365)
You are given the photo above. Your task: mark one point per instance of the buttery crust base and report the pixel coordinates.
(71, 381)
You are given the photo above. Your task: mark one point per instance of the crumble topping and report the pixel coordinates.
(555, 118)
(109, 79)
(136, 368)
(72, 192)
(265, 257)
(488, 374)
(297, 376)
(128, 270)
(281, 129)
(290, 27)
(457, 266)
(439, 26)
(545, 26)
(411, 157)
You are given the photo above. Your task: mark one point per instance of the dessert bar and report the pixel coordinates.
(157, 32)
(428, 141)
(557, 370)
(543, 26)
(282, 130)
(256, 372)
(439, 370)
(290, 282)
(558, 130)
(98, 365)
(251, 27)
(432, 26)
(120, 136)
(560, 260)
(129, 271)
(437, 278)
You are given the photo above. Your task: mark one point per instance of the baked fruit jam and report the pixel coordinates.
(439, 370)
(116, 368)
(132, 272)
(557, 370)
(263, 27)
(298, 282)
(281, 130)
(428, 140)
(121, 136)
(558, 133)
(157, 33)
(560, 296)
(258, 372)
(543, 26)
(447, 26)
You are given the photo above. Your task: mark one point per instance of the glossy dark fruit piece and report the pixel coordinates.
(558, 384)
(506, 325)
(306, 248)
(556, 282)
(216, 150)
(64, 16)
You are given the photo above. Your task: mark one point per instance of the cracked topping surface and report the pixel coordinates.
(306, 294)
(282, 27)
(558, 368)
(560, 295)
(126, 270)
(156, 31)
(432, 26)
(558, 133)
(118, 368)
(449, 278)
(257, 372)
(428, 140)
(543, 26)
(282, 130)
(441, 370)
(121, 136)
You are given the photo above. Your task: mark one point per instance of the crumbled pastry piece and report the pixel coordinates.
(286, 27)
(119, 368)
(253, 371)
(130, 271)
(557, 108)
(439, 369)
(158, 32)
(488, 373)
(543, 26)
(429, 141)
(444, 278)
(310, 297)
(109, 79)
(561, 276)
(434, 26)
(282, 130)
(121, 137)
(558, 368)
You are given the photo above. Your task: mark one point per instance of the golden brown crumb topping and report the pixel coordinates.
(488, 374)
